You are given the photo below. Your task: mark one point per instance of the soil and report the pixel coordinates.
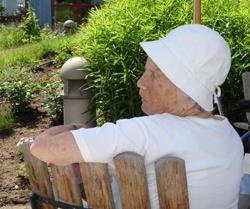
(15, 190)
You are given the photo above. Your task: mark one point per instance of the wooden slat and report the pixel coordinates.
(246, 87)
(96, 183)
(171, 183)
(38, 175)
(65, 184)
(197, 11)
(242, 125)
(131, 177)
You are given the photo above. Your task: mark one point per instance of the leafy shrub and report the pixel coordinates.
(53, 102)
(29, 26)
(18, 88)
(110, 42)
(6, 119)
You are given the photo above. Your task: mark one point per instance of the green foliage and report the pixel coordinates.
(18, 88)
(2, 10)
(22, 171)
(6, 119)
(32, 54)
(110, 42)
(29, 26)
(10, 36)
(54, 102)
(232, 20)
(64, 52)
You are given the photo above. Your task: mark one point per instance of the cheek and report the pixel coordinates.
(169, 96)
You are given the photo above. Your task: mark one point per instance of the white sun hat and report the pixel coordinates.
(195, 58)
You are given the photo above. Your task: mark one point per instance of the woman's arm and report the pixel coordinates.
(57, 145)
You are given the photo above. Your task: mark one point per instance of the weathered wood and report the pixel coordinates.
(197, 11)
(65, 184)
(246, 88)
(172, 183)
(96, 183)
(38, 175)
(131, 177)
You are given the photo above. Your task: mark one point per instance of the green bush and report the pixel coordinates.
(29, 26)
(6, 119)
(53, 101)
(110, 42)
(18, 88)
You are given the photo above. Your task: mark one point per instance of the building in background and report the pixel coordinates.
(43, 11)
(12, 7)
(48, 12)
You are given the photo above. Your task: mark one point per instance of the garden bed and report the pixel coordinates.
(14, 189)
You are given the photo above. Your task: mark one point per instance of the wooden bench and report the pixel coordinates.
(57, 186)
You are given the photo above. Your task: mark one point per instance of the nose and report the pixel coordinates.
(140, 82)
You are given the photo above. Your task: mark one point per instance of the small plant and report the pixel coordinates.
(19, 94)
(18, 89)
(29, 26)
(6, 119)
(53, 102)
(22, 171)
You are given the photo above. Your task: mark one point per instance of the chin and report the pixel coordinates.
(145, 110)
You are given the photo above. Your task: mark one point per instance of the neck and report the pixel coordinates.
(194, 110)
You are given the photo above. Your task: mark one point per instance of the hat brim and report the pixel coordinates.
(178, 73)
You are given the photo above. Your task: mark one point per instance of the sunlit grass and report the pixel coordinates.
(30, 54)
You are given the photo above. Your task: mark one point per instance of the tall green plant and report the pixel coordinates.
(232, 20)
(110, 42)
(29, 26)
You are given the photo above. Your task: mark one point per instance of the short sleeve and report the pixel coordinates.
(101, 144)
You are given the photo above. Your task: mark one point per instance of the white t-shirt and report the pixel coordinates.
(211, 148)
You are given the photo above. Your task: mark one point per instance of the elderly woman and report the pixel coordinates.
(182, 75)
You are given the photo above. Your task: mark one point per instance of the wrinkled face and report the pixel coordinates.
(158, 93)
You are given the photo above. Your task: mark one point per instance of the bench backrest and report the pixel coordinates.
(246, 88)
(60, 182)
